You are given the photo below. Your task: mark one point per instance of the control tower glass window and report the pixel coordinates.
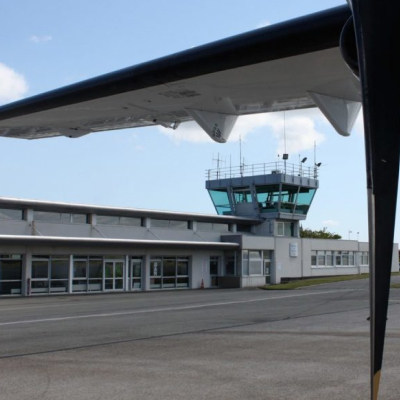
(268, 198)
(242, 195)
(288, 198)
(221, 201)
(304, 199)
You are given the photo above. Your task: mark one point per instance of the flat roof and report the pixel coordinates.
(84, 241)
(53, 206)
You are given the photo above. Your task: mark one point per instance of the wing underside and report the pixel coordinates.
(212, 95)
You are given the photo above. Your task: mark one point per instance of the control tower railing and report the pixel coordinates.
(278, 167)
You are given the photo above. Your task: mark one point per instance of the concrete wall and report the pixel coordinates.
(35, 228)
(284, 264)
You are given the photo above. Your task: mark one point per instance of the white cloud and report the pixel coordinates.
(330, 222)
(186, 132)
(300, 131)
(13, 85)
(40, 39)
(191, 132)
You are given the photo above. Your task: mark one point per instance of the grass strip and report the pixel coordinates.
(395, 286)
(320, 281)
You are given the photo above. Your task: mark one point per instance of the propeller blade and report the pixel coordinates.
(378, 41)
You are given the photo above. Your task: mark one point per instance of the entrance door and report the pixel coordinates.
(113, 275)
(136, 274)
(214, 264)
(267, 271)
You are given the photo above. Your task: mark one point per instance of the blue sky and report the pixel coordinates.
(47, 44)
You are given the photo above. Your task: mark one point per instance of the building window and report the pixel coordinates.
(10, 274)
(329, 258)
(116, 220)
(61, 218)
(321, 259)
(364, 258)
(79, 218)
(304, 199)
(221, 201)
(285, 229)
(50, 274)
(208, 226)
(345, 258)
(6, 213)
(332, 258)
(351, 258)
(242, 195)
(87, 274)
(169, 272)
(288, 198)
(338, 258)
(268, 198)
(113, 274)
(171, 224)
(313, 258)
(255, 262)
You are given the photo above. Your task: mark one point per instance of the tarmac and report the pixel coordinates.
(231, 344)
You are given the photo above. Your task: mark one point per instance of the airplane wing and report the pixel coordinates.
(291, 65)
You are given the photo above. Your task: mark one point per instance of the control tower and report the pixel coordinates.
(278, 193)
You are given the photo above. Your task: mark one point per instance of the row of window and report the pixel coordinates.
(252, 262)
(322, 258)
(51, 274)
(270, 198)
(93, 273)
(169, 272)
(76, 218)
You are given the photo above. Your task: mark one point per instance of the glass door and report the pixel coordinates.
(136, 274)
(267, 256)
(214, 264)
(113, 275)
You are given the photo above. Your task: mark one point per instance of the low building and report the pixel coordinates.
(55, 248)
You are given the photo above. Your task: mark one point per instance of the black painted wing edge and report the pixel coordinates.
(302, 35)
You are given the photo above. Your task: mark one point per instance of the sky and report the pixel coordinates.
(46, 44)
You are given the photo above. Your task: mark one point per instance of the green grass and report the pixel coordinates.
(395, 286)
(319, 281)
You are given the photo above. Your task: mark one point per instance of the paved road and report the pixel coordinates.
(213, 344)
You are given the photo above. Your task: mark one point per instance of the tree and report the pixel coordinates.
(321, 234)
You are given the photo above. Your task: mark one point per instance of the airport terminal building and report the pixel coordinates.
(62, 248)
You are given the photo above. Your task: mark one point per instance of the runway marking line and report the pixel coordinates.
(154, 310)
